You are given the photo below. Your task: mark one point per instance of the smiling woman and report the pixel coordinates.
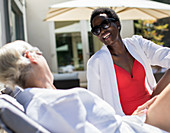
(120, 72)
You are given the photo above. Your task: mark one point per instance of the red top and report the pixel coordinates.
(132, 90)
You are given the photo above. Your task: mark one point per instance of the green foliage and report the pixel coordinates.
(150, 29)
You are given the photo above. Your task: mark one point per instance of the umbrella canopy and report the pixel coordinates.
(126, 9)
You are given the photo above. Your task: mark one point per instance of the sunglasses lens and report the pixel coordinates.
(105, 24)
(96, 30)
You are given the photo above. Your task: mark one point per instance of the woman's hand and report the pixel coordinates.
(143, 108)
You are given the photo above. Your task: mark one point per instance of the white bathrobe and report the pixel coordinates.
(101, 73)
(78, 111)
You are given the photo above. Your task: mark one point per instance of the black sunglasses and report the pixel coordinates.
(104, 25)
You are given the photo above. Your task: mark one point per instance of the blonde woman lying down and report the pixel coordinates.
(75, 110)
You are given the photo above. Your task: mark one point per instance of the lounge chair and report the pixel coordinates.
(14, 120)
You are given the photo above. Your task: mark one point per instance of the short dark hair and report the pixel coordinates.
(109, 12)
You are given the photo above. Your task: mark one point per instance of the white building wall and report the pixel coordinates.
(39, 31)
(127, 28)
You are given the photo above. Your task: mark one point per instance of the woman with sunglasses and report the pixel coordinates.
(120, 72)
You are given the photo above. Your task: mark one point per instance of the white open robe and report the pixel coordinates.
(101, 73)
(77, 111)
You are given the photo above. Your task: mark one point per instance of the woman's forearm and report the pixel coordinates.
(162, 83)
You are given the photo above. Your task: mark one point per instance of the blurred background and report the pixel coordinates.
(68, 44)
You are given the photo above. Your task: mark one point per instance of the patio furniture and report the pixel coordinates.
(14, 120)
(66, 80)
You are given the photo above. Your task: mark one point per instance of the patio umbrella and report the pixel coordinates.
(126, 9)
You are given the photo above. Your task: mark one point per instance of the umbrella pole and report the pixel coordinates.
(85, 42)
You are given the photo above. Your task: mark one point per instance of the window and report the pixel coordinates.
(13, 21)
(69, 47)
(17, 30)
(69, 52)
